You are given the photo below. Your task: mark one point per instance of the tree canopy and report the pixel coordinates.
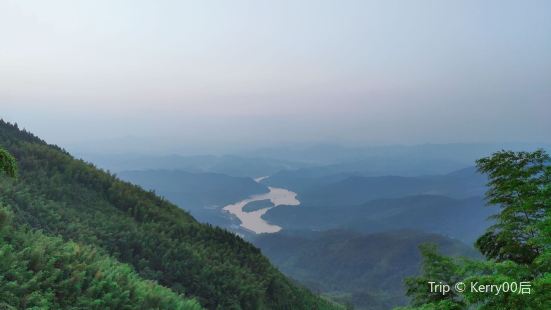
(7, 163)
(517, 247)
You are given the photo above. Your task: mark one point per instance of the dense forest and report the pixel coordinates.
(89, 221)
(42, 272)
(517, 246)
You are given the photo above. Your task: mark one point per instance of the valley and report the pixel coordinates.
(351, 238)
(349, 235)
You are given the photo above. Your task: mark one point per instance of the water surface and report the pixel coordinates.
(253, 221)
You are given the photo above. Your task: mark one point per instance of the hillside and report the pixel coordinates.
(366, 270)
(72, 199)
(47, 273)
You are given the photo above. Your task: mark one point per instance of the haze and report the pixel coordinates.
(221, 73)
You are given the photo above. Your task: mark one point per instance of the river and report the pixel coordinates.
(253, 221)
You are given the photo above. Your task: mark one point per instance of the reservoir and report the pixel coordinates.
(253, 221)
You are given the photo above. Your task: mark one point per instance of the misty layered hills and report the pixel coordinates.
(464, 219)
(390, 159)
(356, 237)
(450, 204)
(308, 160)
(69, 198)
(366, 270)
(349, 189)
(356, 190)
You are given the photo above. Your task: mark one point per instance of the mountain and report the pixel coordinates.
(202, 194)
(366, 270)
(464, 219)
(69, 198)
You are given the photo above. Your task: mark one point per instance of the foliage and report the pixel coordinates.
(72, 199)
(518, 184)
(7, 163)
(46, 273)
(517, 246)
(434, 266)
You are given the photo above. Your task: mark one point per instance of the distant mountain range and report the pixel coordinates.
(228, 164)
(463, 219)
(450, 204)
(429, 157)
(359, 189)
(318, 185)
(327, 159)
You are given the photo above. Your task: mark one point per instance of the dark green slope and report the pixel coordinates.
(41, 272)
(68, 197)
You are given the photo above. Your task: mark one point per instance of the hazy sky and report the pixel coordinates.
(208, 72)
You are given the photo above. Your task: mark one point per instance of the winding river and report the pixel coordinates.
(253, 221)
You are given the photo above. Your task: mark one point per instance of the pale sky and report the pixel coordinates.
(261, 72)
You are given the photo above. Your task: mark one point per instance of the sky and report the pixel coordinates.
(181, 75)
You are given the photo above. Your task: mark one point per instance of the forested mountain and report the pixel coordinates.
(201, 194)
(365, 270)
(72, 199)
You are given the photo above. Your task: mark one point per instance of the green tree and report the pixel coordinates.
(517, 246)
(7, 163)
(519, 186)
(434, 266)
